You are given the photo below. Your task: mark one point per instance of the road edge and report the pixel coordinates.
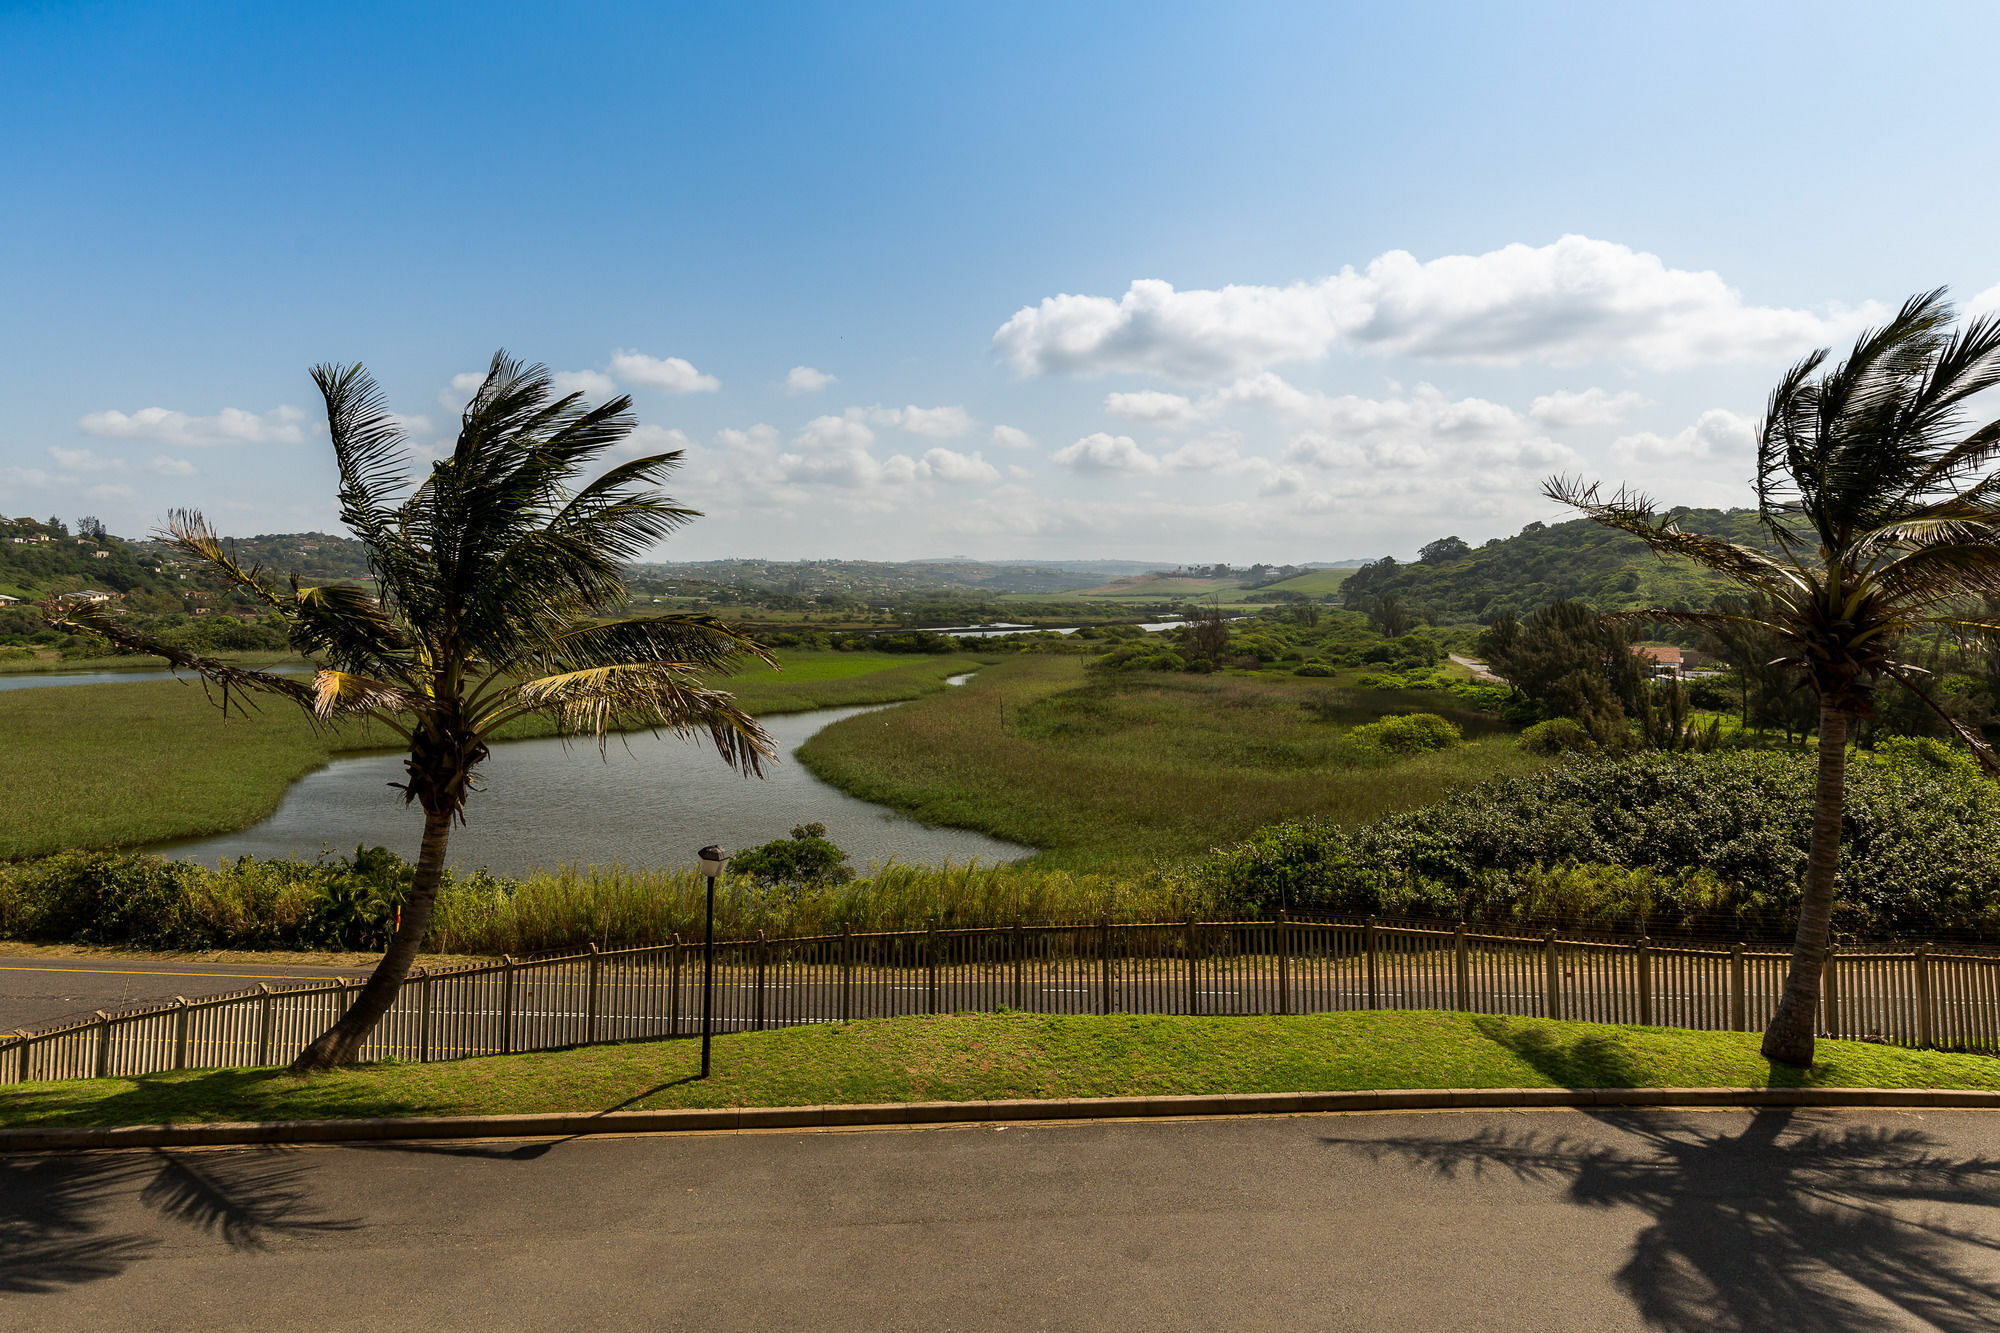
(752, 1118)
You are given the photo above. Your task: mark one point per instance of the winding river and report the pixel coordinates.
(646, 800)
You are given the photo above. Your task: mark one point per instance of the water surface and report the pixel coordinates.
(646, 800)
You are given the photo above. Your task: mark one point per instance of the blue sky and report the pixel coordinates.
(1281, 282)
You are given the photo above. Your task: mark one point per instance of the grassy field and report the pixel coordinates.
(130, 764)
(984, 1057)
(1318, 583)
(1130, 770)
(49, 662)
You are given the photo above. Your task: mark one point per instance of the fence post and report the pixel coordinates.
(1460, 971)
(1368, 946)
(507, 1004)
(103, 1044)
(674, 986)
(263, 1024)
(763, 952)
(1284, 929)
(1194, 984)
(1020, 965)
(424, 1003)
(1739, 1003)
(1643, 950)
(846, 974)
(1924, 994)
(1552, 982)
(1104, 965)
(590, 1001)
(930, 968)
(180, 1032)
(1830, 984)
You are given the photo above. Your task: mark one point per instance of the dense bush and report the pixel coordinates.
(804, 860)
(1557, 736)
(1713, 842)
(146, 901)
(1407, 733)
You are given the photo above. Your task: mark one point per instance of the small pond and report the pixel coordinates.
(646, 800)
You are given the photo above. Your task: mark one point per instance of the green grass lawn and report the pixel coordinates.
(1120, 771)
(129, 764)
(982, 1057)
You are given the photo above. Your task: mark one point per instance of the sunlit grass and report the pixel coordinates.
(981, 1057)
(1145, 768)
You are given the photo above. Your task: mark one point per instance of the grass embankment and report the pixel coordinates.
(124, 765)
(985, 1057)
(51, 663)
(1119, 770)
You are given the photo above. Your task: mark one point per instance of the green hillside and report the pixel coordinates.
(1544, 563)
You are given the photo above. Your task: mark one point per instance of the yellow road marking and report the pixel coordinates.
(136, 972)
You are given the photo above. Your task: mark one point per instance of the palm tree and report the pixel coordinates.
(492, 578)
(1884, 511)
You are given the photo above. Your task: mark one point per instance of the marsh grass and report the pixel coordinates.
(1130, 770)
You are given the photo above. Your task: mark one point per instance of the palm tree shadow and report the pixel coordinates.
(1777, 1226)
(524, 1152)
(57, 1211)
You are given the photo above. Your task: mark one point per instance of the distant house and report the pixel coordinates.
(100, 555)
(88, 595)
(5, 600)
(1671, 663)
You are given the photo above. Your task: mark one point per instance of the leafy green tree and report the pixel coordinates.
(1568, 662)
(492, 574)
(1885, 511)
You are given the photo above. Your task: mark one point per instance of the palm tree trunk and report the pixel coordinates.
(341, 1043)
(1789, 1039)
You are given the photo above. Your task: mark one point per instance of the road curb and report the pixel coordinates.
(747, 1118)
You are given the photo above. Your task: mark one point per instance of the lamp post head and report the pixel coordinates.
(712, 858)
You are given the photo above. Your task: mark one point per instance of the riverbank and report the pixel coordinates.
(1126, 770)
(987, 1057)
(128, 765)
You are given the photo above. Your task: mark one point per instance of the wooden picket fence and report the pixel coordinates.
(1919, 996)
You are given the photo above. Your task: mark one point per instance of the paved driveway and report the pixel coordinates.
(1546, 1220)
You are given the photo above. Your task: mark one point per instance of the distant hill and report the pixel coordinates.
(1544, 563)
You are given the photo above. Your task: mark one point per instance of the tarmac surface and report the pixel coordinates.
(37, 990)
(1453, 1220)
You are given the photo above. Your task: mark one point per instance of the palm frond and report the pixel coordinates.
(1633, 512)
(86, 619)
(659, 696)
(1906, 676)
(187, 529)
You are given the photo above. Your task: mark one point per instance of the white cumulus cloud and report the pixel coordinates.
(594, 383)
(1986, 303)
(1154, 408)
(667, 374)
(952, 466)
(1104, 452)
(1572, 301)
(1011, 437)
(167, 466)
(804, 379)
(1716, 434)
(1591, 407)
(232, 425)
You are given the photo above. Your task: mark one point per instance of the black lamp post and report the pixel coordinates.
(712, 858)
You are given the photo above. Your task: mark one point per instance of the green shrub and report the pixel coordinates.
(804, 860)
(1555, 737)
(1713, 842)
(1313, 669)
(1407, 733)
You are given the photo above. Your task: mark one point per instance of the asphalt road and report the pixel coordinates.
(36, 990)
(1547, 1220)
